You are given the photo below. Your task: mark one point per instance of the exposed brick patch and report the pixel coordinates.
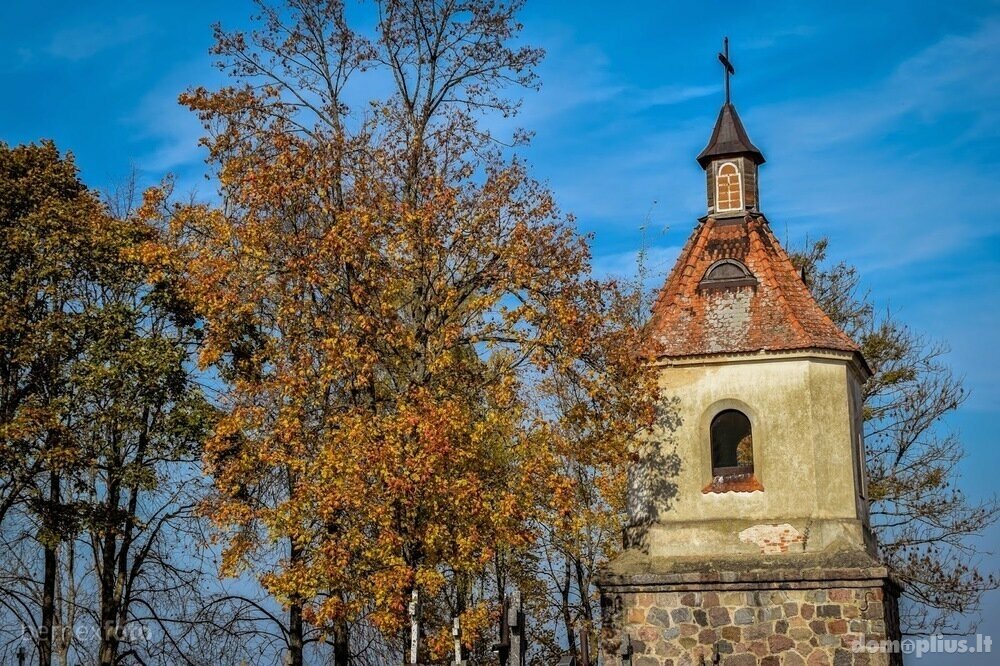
(774, 538)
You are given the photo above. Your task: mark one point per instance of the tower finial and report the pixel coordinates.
(727, 66)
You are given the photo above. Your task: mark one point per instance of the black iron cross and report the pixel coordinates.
(726, 65)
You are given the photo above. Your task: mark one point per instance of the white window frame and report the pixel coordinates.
(739, 187)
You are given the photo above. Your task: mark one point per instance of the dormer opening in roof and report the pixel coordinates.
(730, 159)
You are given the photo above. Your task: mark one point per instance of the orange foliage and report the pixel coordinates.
(415, 355)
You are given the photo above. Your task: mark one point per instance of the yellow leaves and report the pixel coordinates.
(429, 581)
(234, 557)
(415, 372)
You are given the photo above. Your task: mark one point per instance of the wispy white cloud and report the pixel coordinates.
(574, 75)
(579, 78)
(172, 130)
(84, 41)
(891, 171)
(778, 36)
(170, 133)
(657, 262)
(956, 74)
(842, 166)
(670, 95)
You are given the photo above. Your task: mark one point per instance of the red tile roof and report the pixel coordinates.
(692, 318)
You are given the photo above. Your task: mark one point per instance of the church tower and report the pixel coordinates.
(749, 540)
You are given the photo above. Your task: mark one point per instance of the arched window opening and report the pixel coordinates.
(732, 444)
(727, 273)
(725, 270)
(729, 193)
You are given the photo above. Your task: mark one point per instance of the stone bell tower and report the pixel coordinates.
(749, 541)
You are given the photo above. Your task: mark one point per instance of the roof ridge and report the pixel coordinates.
(668, 286)
(783, 257)
(782, 297)
(699, 245)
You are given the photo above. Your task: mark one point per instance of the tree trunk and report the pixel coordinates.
(295, 631)
(108, 649)
(50, 549)
(583, 585)
(461, 599)
(115, 596)
(567, 616)
(67, 599)
(295, 634)
(341, 644)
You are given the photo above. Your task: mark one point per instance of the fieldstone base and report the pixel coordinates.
(749, 616)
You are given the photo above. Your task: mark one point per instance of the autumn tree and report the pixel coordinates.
(54, 245)
(140, 419)
(102, 420)
(927, 527)
(416, 360)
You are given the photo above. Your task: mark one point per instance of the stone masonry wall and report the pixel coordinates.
(800, 627)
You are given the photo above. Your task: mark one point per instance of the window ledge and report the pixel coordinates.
(734, 483)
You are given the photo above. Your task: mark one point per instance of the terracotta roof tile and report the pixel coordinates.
(769, 310)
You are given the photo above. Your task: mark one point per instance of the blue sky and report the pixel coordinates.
(879, 122)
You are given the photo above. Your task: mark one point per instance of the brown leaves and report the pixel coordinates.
(420, 373)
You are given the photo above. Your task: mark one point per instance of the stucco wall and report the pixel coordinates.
(804, 448)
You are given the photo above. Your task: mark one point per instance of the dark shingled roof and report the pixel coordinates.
(729, 138)
(692, 317)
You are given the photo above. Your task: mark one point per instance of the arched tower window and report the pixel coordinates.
(732, 444)
(727, 273)
(728, 188)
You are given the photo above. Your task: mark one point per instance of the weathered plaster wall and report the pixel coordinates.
(804, 448)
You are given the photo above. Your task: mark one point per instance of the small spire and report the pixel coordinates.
(729, 138)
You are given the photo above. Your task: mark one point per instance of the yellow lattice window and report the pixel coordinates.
(729, 194)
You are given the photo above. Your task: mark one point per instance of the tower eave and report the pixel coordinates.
(729, 139)
(852, 357)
